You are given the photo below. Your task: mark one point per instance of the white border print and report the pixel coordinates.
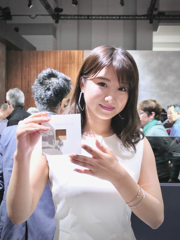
(64, 136)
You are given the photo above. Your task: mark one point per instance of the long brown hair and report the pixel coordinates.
(127, 127)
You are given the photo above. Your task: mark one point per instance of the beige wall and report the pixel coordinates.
(2, 72)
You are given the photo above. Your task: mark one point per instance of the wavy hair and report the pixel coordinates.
(50, 88)
(127, 129)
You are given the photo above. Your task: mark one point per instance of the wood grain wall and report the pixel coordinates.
(23, 67)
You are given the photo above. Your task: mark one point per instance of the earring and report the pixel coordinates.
(121, 117)
(79, 102)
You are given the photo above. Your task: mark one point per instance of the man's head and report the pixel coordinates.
(49, 90)
(173, 112)
(15, 98)
(5, 111)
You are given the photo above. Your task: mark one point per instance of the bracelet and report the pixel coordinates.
(140, 201)
(135, 198)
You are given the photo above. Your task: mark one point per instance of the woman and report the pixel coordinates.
(150, 116)
(94, 193)
(162, 145)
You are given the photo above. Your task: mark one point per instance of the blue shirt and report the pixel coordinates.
(41, 224)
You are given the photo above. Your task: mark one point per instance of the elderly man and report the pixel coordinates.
(15, 99)
(173, 114)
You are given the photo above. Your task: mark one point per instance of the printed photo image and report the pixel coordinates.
(59, 139)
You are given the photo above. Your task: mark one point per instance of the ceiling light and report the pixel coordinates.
(58, 10)
(16, 29)
(56, 21)
(122, 3)
(30, 5)
(74, 2)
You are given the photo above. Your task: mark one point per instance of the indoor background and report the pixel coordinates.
(59, 34)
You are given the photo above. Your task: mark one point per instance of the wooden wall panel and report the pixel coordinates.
(58, 61)
(13, 70)
(64, 60)
(29, 74)
(40, 61)
(23, 68)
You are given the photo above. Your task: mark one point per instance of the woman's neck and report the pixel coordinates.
(97, 127)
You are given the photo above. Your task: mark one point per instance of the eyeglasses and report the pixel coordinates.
(141, 113)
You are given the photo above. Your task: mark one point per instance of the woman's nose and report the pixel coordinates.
(109, 98)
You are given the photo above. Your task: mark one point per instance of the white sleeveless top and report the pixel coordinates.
(89, 208)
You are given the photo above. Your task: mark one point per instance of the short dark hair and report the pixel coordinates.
(176, 107)
(150, 106)
(50, 88)
(126, 129)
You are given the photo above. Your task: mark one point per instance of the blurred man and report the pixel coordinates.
(173, 114)
(16, 99)
(5, 111)
(49, 90)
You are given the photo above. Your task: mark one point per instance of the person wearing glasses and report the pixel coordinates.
(163, 146)
(150, 116)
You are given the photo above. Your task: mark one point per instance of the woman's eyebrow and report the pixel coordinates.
(103, 78)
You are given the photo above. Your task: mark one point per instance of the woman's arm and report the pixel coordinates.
(104, 165)
(30, 170)
(151, 211)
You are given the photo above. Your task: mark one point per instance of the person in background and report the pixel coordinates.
(41, 224)
(173, 114)
(163, 116)
(150, 117)
(5, 111)
(49, 90)
(15, 99)
(162, 145)
(94, 193)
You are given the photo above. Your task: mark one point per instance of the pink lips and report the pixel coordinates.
(107, 108)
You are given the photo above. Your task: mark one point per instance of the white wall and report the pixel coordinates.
(46, 42)
(158, 76)
(169, 5)
(87, 34)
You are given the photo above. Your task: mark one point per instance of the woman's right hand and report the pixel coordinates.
(29, 132)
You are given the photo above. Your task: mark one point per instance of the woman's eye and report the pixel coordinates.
(102, 84)
(123, 89)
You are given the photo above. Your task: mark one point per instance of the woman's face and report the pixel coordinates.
(144, 118)
(104, 96)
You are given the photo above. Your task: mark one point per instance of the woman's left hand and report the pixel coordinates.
(103, 163)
